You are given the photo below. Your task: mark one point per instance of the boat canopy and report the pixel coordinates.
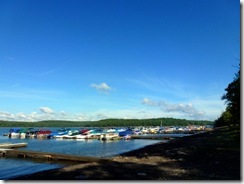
(16, 130)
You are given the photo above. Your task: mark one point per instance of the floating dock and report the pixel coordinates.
(48, 156)
(156, 137)
(13, 145)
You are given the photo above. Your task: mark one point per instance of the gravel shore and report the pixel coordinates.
(214, 155)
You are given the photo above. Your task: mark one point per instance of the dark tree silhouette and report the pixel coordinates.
(232, 97)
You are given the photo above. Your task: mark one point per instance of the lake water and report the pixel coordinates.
(96, 148)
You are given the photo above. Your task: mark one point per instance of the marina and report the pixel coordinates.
(16, 166)
(104, 133)
(36, 149)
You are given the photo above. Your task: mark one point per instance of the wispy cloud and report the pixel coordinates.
(6, 116)
(187, 109)
(103, 87)
(49, 71)
(27, 93)
(46, 113)
(46, 110)
(167, 87)
(10, 58)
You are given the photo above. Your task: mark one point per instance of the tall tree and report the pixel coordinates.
(232, 97)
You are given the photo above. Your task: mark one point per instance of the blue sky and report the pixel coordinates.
(96, 59)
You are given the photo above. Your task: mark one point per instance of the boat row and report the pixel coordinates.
(67, 133)
(100, 133)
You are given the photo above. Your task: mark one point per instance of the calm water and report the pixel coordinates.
(95, 148)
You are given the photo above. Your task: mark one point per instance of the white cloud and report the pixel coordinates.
(63, 113)
(6, 116)
(146, 101)
(202, 109)
(46, 110)
(89, 116)
(78, 117)
(100, 116)
(212, 105)
(101, 87)
(187, 109)
(45, 114)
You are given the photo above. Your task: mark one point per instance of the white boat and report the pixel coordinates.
(80, 136)
(14, 132)
(121, 130)
(145, 130)
(137, 132)
(111, 130)
(71, 134)
(59, 136)
(69, 137)
(22, 135)
(109, 136)
(127, 137)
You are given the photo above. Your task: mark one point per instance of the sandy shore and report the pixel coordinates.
(212, 155)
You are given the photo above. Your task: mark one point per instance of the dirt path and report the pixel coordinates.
(208, 156)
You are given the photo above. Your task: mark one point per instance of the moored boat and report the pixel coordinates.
(60, 132)
(109, 136)
(23, 132)
(42, 133)
(14, 132)
(127, 137)
(80, 136)
(126, 132)
(71, 134)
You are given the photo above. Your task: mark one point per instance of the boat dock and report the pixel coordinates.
(7, 151)
(155, 137)
(48, 156)
(13, 145)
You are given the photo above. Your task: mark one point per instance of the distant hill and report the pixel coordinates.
(107, 123)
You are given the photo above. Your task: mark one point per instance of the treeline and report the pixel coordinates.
(108, 123)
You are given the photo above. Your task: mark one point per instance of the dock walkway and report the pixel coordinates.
(13, 145)
(48, 156)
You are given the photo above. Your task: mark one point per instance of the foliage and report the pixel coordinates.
(232, 98)
(107, 123)
(224, 120)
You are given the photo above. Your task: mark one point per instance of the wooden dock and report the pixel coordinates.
(155, 137)
(13, 145)
(48, 156)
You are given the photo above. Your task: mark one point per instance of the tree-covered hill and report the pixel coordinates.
(107, 123)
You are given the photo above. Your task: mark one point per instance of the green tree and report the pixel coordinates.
(232, 97)
(227, 117)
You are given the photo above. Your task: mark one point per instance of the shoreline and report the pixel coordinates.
(213, 155)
